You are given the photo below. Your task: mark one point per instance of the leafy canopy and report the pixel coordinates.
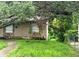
(20, 9)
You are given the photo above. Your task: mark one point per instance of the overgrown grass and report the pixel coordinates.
(42, 48)
(2, 44)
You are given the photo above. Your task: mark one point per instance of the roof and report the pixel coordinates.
(37, 18)
(15, 20)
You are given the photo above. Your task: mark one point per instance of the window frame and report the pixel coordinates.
(9, 29)
(35, 28)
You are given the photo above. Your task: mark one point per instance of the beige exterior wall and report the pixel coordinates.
(43, 33)
(22, 30)
(42, 28)
(1, 31)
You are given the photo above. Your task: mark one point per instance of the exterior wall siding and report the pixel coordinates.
(23, 30)
(1, 31)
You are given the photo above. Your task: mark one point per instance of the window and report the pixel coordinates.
(35, 28)
(9, 29)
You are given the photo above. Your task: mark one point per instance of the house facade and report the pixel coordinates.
(29, 29)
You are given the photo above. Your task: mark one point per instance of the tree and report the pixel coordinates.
(60, 25)
(58, 10)
(49, 8)
(21, 10)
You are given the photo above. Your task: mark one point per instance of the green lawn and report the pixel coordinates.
(2, 44)
(42, 48)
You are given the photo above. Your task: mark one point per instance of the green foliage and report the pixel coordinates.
(21, 10)
(72, 33)
(64, 15)
(50, 8)
(59, 26)
(42, 48)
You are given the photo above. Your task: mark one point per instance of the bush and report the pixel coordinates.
(71, 35)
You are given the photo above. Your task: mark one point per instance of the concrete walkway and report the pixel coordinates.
(75, 45)
(11, 46)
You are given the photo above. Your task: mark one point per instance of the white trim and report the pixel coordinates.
(47, 30)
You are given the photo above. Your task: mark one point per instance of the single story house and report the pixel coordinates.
(36, 27)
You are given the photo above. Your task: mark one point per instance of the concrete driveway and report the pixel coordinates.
(11, 46)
